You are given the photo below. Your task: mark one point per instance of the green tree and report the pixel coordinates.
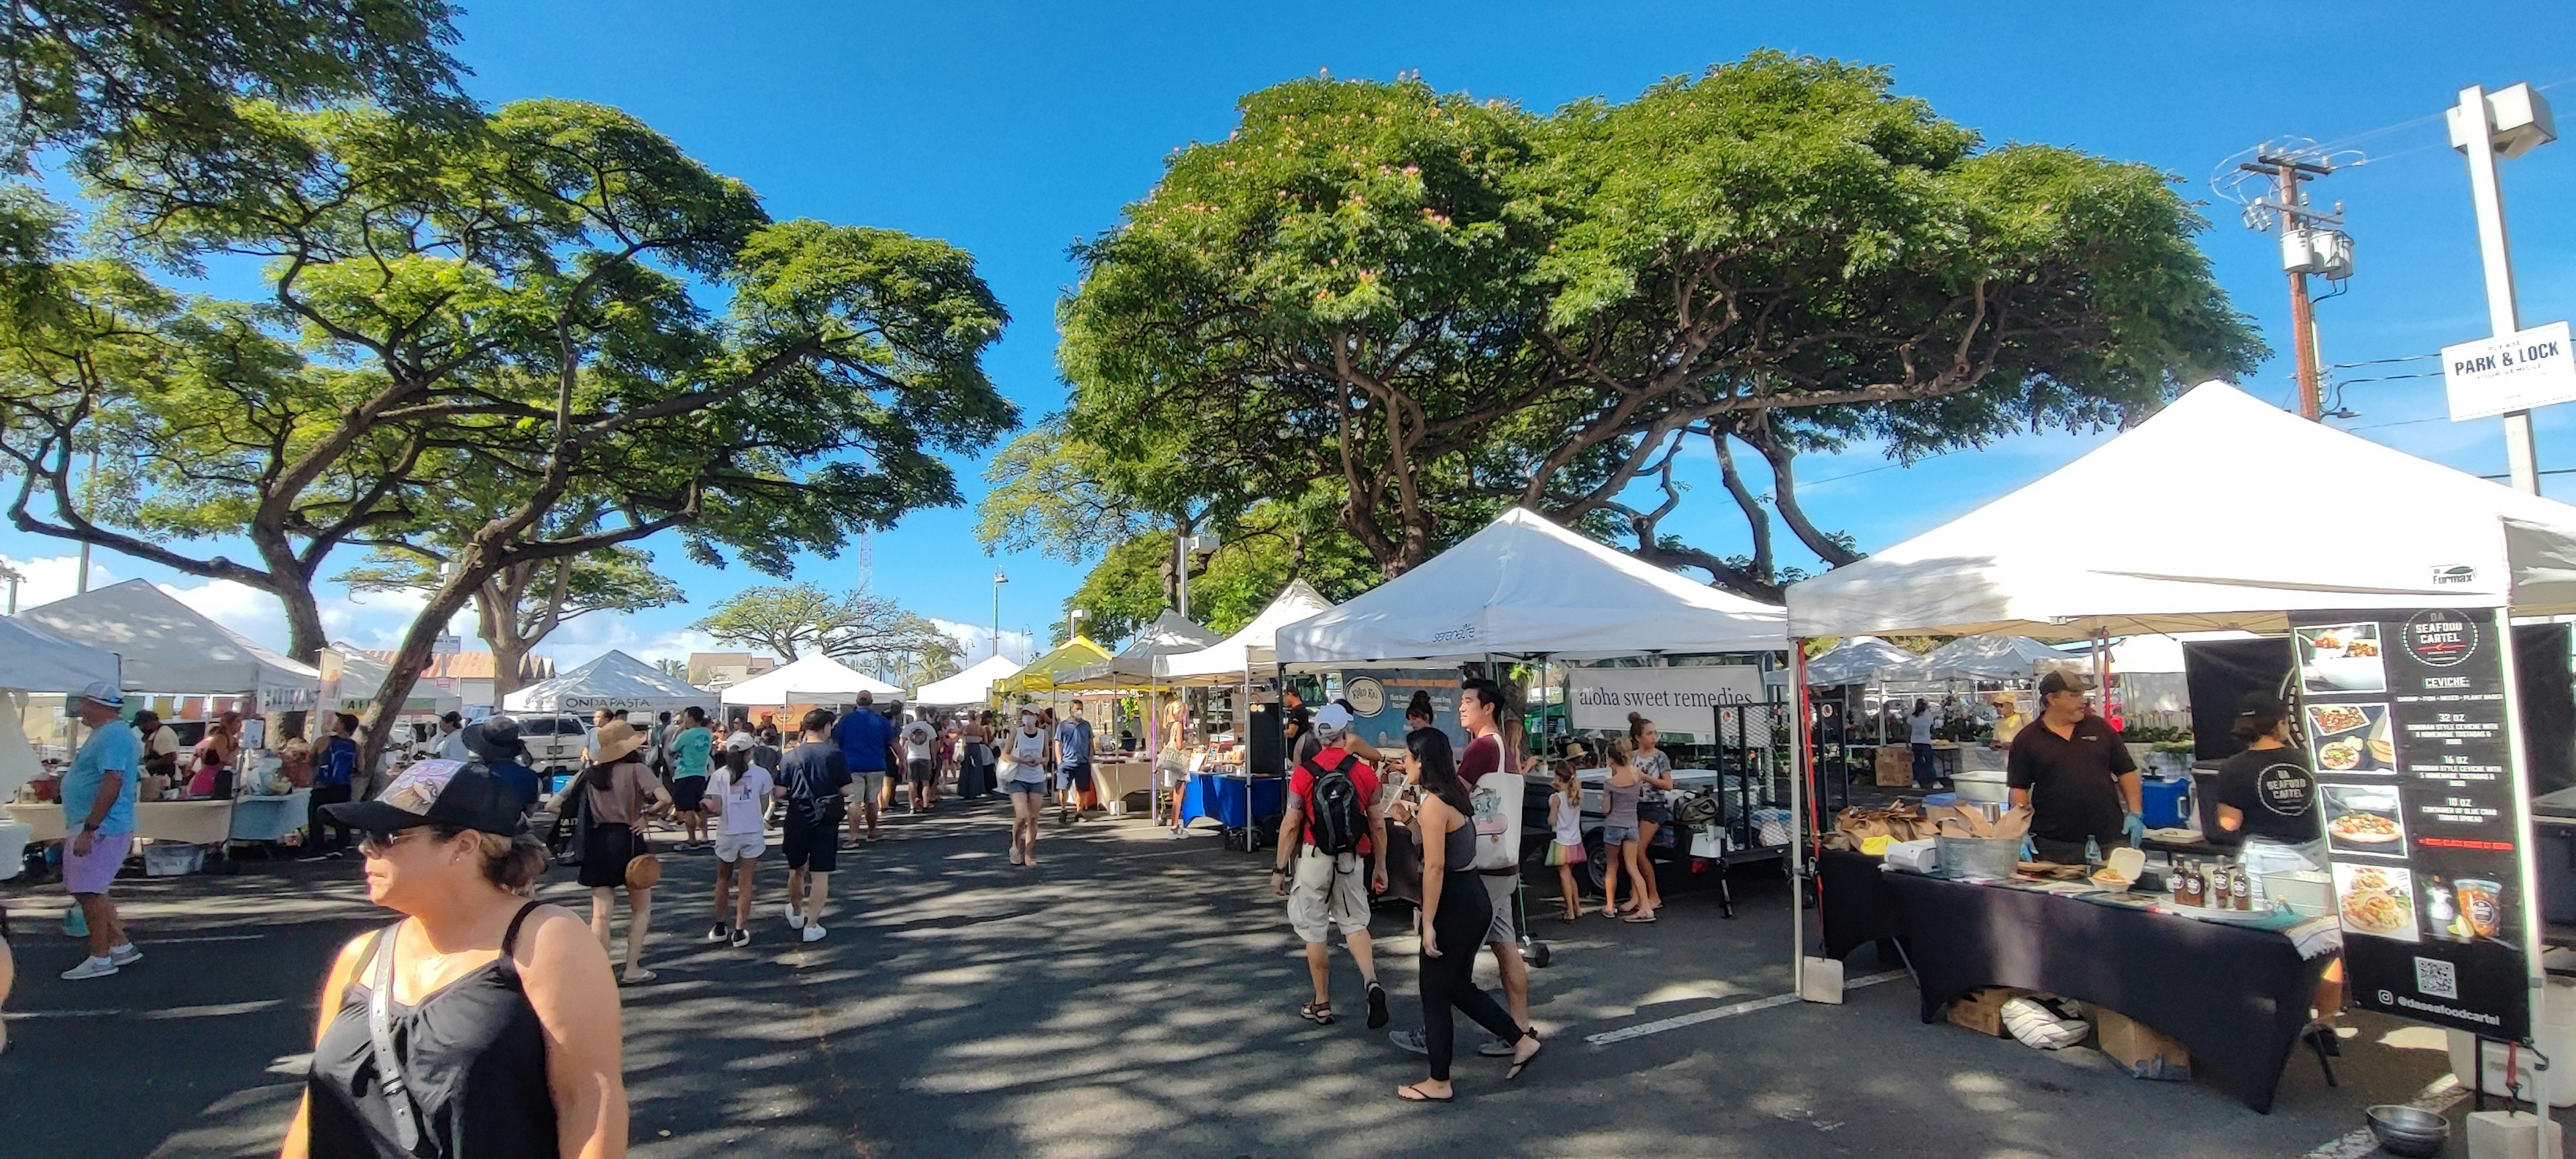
(1439, 306)
(793, 620)
(521, 605)
(1270, 545)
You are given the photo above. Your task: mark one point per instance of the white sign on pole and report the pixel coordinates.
(1678, 700)
(446, 645)
(2518, 371)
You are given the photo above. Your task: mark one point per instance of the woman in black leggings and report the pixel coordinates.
(1455, 915)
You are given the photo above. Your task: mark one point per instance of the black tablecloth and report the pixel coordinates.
(2236, 997)
(1858, 907)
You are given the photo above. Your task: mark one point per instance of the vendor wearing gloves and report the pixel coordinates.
(2267, 795)
(2072, 771)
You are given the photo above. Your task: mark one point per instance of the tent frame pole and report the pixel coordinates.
(1798, 821)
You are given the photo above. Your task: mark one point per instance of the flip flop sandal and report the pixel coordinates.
(1524, 1064)
(1377, 1006)
(1319, 1013)
(637, 978)
(1415, 1094)
(1637, 920)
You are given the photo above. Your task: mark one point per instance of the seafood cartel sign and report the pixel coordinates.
(2409, 725)
(1678, 700)
(2517, 371)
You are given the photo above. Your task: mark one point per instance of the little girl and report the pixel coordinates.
(1565, 816)
(1619, 836)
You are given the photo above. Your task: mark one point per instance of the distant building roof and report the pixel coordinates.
(473, 666)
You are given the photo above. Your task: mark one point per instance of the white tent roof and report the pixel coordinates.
(614, 680)
(2343, 523)
(1228, 659)
(1170, 633)
(2157, 653)
(810, 680)
(168, 647)
(972, 686)
(1525, 586)
(1989, 658)
(36, 660)
(1860, 660)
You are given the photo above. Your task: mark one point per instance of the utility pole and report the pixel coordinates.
(2476, 132)
(998, 580)
(2305, 250)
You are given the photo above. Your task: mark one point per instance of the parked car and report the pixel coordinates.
(554, 742)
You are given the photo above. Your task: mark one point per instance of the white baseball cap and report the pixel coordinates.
(1332, 720)
(102, 692)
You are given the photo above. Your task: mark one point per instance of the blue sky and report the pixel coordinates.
(1013, 129)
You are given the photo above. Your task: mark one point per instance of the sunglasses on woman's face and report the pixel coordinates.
(380, 844)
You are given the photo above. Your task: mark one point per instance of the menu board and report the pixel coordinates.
(2406, 720)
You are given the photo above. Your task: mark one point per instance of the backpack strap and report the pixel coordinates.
(380, 1033)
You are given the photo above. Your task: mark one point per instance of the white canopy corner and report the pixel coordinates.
(1861, 660)
(168, 646)
(808, 680)
(2347, 523)
(972, 686)
(1252, 645)
(1525, 586)
(1989, 658)
(613, 680)
(36, 660)
(1170, 633)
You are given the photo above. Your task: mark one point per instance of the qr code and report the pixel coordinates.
(2435, 978)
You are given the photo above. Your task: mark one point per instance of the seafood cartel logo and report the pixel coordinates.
(2440, 639)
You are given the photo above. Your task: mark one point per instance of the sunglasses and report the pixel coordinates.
(380, 844)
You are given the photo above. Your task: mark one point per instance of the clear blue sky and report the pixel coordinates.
(1012, 129)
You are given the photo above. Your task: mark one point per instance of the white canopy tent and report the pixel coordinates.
(168, 646)
(1250, 647)
(1170, 633)
(2365, 526)
(614, 680)
(810, 680)
(1862, 660)
(35, 660)
(1525, 586)
(972, 686)
(1989, 658)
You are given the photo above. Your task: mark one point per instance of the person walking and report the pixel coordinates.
(496, 1013)
(739, 795)
(619, 795)
(1918, 734)
(818, 782)
(691, 744)
(335, 766)
(1332, 828)
(1620, 847)
(1654, 805)
(1480, 714)
(1565, 825)
(920, 741)
(494, 740)
(1456, 913)
(450, 743)
(99, 792)
(865, 739)
(1024, 778)
(1073, 739)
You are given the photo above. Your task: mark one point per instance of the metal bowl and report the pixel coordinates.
(2411, 1131)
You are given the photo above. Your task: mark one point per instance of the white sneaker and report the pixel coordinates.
(125, 955)
(814, 931)
(90, 968)
(795, 920)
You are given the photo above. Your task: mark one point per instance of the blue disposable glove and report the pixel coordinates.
(2134, 827)
(2029, 850)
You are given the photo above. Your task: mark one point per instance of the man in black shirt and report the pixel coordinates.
(1296, 724)
(2071, 769)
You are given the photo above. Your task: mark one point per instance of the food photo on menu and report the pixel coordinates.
(2341, 658)
(2377, 901)
(2366, 819)
(2352, 738)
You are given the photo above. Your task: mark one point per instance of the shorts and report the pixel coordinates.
(1327, 892)
(92, 873)
(921, 771)
(869, 784)
(1654, 813)
(605, 850)
(1614, 836)
(812, 845)
(687, 793)
(741, 846)
(1499, 888)
(1032, 788)
(1078, 774)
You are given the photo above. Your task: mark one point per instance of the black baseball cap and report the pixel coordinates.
(2060, 680)
(437, 793)
(2262, 706)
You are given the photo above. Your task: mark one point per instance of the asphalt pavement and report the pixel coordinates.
(1131, 995)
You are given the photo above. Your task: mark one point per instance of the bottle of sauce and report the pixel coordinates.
(2217, 898)
(2240, 889)
(2187, 885)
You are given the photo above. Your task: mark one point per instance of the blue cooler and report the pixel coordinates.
(2165, 803)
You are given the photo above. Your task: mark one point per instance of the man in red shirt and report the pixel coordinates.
(1327, 890)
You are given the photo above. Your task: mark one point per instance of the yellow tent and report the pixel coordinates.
(1042, 674)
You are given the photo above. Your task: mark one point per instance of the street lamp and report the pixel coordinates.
(2485, 126)
(998, 580)
(1073, 623)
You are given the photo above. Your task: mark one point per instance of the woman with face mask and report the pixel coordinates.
(1024, 777)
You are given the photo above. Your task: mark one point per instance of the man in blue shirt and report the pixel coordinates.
(1073, 760)
(866, 740)
(98, 815)
(335, 767)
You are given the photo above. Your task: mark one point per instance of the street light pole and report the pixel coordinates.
(2474, 133)
(998, 580)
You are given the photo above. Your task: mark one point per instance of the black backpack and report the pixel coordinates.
(1337, 818)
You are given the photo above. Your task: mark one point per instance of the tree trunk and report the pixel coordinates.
(1755, 521)
(1757, 433)
(509, 656)
(412, 657)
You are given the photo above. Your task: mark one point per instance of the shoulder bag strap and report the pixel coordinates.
(380, 1027)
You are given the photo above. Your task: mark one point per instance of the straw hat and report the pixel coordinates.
(616, 739)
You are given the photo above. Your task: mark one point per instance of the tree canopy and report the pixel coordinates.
(796, 620)
(1437, 306)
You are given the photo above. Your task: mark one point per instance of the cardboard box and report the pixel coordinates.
(1895, 766)
(1982, 1010)
(2138, 1048)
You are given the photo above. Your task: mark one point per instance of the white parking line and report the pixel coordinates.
(2443, 1094)
(1694, 1018)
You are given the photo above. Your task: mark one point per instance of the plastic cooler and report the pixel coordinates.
(2165, 803)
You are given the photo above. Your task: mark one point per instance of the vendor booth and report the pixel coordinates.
(972, 688)
(2353, 545)
(1132, 670)
(809, 681)
(1056, 666)
(614, 680)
